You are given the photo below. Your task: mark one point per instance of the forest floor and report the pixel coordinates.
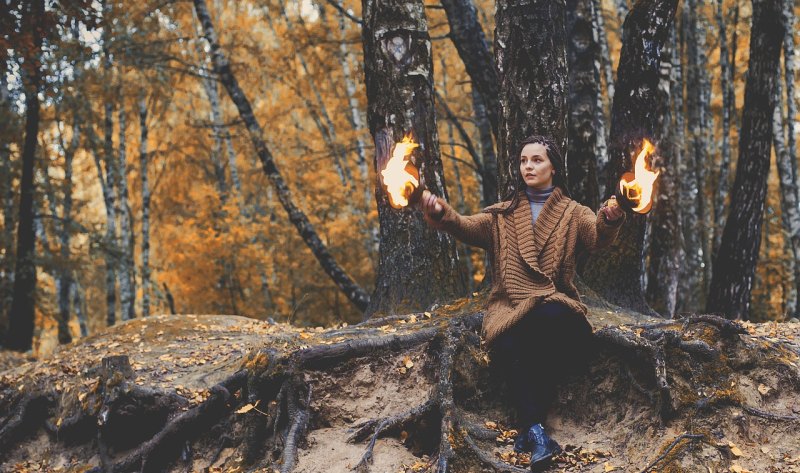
(731, 406)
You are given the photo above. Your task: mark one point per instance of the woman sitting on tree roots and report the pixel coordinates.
(535, 324)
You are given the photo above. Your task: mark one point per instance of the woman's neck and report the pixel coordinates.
(539, 195)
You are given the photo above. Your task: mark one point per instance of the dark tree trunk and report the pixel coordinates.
(696, 211)
(19, 336)
(8, 118)
(726, 83)
(222, 68)
(470, 42)
(583, 53)
(109, 186)
(530, 50)
(65, 277)
(418, 265)
(488, 157)
(734, 268)
(638, 112)
(145, 206)
(665, 248)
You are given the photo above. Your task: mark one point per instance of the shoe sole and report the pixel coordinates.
(543, 463)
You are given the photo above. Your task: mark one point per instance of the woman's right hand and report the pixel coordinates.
(430, 206)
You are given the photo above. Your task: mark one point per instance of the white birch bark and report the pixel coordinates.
(143, 160)
(126, 282)
(790, 211)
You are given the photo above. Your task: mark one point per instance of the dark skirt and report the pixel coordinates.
(537, 353)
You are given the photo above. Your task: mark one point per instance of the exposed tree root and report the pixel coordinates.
(276, 387)
(691, 437)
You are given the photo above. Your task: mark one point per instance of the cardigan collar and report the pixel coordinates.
(532, 238)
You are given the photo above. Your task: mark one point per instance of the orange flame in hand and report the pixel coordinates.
(637, 186)
(400, 177)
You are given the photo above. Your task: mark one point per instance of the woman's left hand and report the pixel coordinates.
(612, 210)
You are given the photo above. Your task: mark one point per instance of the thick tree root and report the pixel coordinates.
(29, 413)
(276, 383)
(691, 437)
(654, 339)
(165, 446)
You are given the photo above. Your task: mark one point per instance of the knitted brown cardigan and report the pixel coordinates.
(530, 266)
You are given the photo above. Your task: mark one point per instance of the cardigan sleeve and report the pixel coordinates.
(593, 230)
(474, 230)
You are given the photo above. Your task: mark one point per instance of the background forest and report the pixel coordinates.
(148, 196)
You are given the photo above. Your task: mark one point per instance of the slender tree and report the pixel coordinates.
(666, 248)
(530, 51)
(790, 201)
(470, 42)
(19, 336)
(638, 113)
(585, 131)
(696, 212)
(223, 70)
(127, 289)
(734, 267)
(726, 83)
(418, 266)
(143, 162)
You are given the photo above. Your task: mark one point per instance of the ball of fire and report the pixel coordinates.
(636, 188)
(400, 177)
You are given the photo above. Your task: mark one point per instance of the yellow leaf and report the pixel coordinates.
(764, 389)
(81, 396)
(407, 362)
(246, 408)
(607, 466)
(735, 450)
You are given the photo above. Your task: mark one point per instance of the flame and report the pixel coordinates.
(637, 187)
(400, 177)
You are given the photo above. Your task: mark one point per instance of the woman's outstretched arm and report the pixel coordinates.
(473, 230)
(597, 231)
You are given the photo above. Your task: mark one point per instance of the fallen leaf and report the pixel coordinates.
(246, 408)
(407, 362)
(764, 389)
(607, 466)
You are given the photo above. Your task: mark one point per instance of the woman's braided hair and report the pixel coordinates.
(516, 181)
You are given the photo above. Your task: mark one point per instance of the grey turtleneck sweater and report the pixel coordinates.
(537, 198)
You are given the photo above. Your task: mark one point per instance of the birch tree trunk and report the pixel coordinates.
(473, 49)
(7, 117)
(605, 53)
(127, 290)
(696, 212)
(666, 243)
(65, 272)
(584, 130)
(223, 69)
(734, 267)
(726, 80)
(109, 186)
(638, 113)
(355, 113)
(790, 207)
(143, 161)
(530, 51)
(19, 336)
(461, 206)
(418, 265)
(790, 66)
(210, 87)
(489, 193)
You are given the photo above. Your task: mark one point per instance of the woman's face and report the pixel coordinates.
(535, 167)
